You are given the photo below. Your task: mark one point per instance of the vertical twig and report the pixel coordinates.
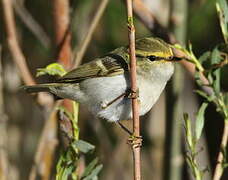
(219, 166)
(135, 107)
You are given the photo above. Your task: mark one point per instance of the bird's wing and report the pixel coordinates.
(112, 64)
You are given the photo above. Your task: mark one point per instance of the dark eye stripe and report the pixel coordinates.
(156, 58)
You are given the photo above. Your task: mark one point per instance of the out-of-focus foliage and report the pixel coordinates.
(210, 65)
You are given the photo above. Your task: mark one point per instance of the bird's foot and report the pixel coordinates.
(135, 141)
(132, 94)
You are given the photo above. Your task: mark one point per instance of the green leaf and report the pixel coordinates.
(90, 167)
(188, 131)
(204, 57)
(82, 146)
(94, 173)
(215, 56)
(53, 69)
(225, 95)
(65, 166)
(205, 95)
(216, 82)
(216, 59)
(222, 10)
(200, 121)
(198, 79)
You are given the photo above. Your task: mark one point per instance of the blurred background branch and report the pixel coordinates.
(4, 162)
(178, 18)
(31, 23)
(80, 50)
(18, 56)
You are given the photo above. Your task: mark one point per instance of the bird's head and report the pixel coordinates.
(154, 56)
(153, 49)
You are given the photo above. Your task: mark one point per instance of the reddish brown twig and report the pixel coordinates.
(219, 169)
(135, 107)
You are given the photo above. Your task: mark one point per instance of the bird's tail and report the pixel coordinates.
(39, 87)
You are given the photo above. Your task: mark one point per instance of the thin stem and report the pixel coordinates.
(78, 54)
(219, 166)
(135, 107)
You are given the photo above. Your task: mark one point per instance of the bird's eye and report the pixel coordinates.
(152, 58)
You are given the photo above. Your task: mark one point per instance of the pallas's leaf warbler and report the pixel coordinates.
(104, 83)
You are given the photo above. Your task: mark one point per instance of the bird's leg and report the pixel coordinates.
(105, 105)
(125, 128)
(134, 141)
(129, 94)
(132, 94)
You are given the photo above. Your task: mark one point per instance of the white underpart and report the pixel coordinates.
(98, 92)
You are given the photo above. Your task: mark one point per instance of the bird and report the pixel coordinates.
(103, 84)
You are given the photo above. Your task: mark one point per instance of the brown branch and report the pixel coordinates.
(78, 55)
(219, 166)
(135, 107)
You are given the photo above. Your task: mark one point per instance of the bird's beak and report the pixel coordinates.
(178, 55)
(175, 59)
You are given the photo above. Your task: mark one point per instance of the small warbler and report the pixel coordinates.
(104, 83)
